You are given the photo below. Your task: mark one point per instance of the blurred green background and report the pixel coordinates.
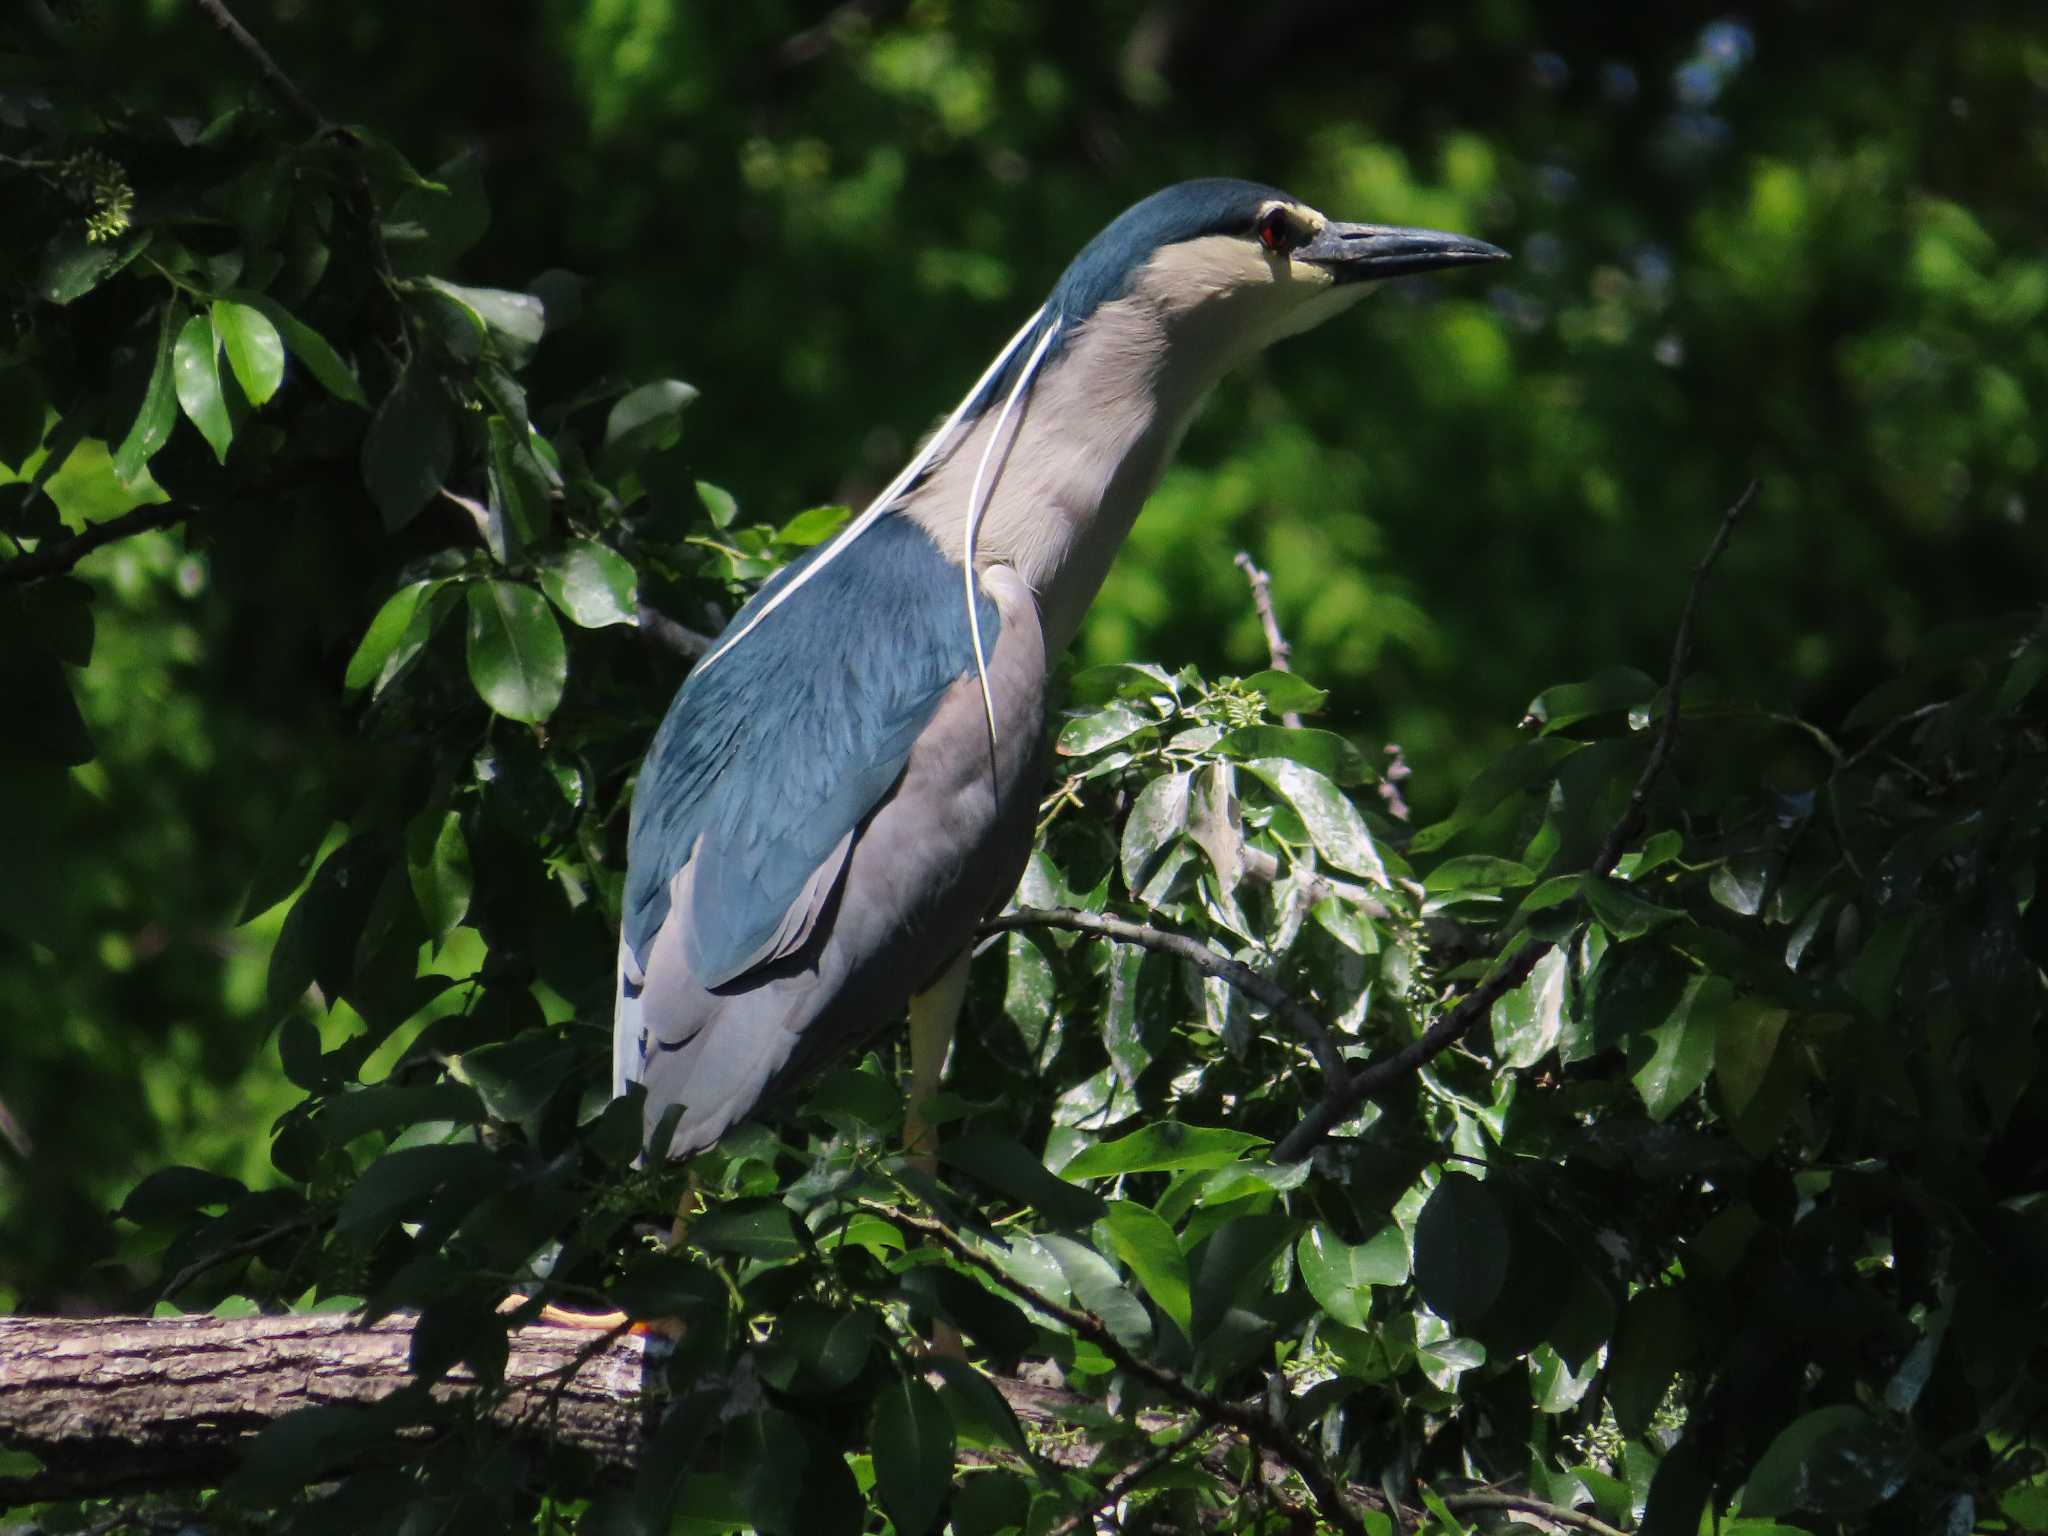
(1804, 245)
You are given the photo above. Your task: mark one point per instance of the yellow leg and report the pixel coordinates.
(605, 1322)
(934, 1014)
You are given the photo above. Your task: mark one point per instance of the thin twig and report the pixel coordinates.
(1124, 1482)
(664, 631)
(1277, 647)
(1525, 1504)
(1236, 973)
(1257, 1427)
(281, 84)
(1346, 1095)
(54, 558)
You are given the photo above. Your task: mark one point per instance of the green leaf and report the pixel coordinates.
(1162, 1148)
(516, 657)
(1333, 822)
(172, 1194)
(437, 863)
(159, 411)
(1636, 987)
(255, 350)
(195, 364)
(1746, 1040)
(1521, 768)
(73, 265)
(1147, 1245)
(1461, 1249)
(1527, 1022)
(592, 584)
(1839, 1461)
(1605, 693)
(520, 511)
(1098, 1290)
(1325, 752)
(308, 346)
(516, 321)
(1341, 1275)
(1478, 871)
(409, 447)
(1102, 728)
(912, 1437)
(813, 526)
(380, 640)
(755, 1229)
(1683, 1047)
(403, 1178)
(1287, 692)
(1003, 1164)
(1620, 910)
(1650, 1345)
(719, 505)
(644, 420)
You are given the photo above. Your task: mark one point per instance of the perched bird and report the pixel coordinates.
(846, 783)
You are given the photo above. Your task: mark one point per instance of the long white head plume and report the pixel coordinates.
(977, 503)
(941, 441)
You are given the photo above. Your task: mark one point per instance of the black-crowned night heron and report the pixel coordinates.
(847, 782)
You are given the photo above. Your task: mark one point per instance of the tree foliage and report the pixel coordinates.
(1729, 1209)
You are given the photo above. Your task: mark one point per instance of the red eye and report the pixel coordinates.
(1277, 232)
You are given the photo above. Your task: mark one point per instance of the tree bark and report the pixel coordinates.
(124, 1404)
(112, 1403)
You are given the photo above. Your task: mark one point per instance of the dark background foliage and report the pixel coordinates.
(1747, 1161)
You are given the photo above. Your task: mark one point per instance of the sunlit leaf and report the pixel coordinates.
(307, 345)
(254, 348)
(1147, 1244)
(1164, 1147)
(516, 657)
(195, 364)
(1339, 832)
(158, 414)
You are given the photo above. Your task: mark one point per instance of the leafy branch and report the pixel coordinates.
(1185, 947)
(1261, 1429)
(1346, 1093)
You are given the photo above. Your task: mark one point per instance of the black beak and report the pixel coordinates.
(1355, 253)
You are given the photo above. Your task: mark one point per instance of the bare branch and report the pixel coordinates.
(55, 557)
(1376, 1077)
(1257, 1427)
(1267, 994)
(1277, 647)
(281, 84)
(664, 631)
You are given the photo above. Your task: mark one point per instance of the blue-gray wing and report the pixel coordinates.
(753, 797)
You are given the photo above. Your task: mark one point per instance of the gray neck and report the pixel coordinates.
(1103, 420)
(1086, 448)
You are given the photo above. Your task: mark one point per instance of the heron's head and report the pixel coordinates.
(1232, 266)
